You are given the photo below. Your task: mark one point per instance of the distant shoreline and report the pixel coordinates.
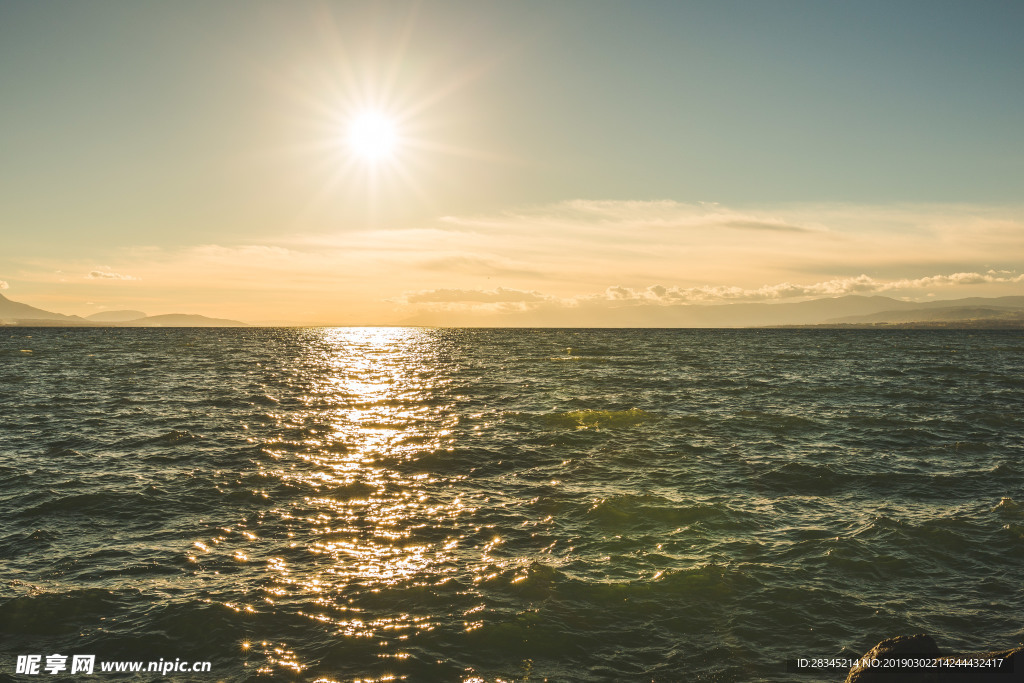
(923, 325)
(962, 325)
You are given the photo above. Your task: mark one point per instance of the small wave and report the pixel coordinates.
(175, 436)
(880, 526)
(540, 581)
(599, 419)
(706, 582)
(1004, 469)
(779, 423)
(60, 452)
(802, 477)
(107, 503)
(593, 351)
(1016, 531)
(1008, 507)
(357, 489)
(51, 613)
(644, 510)
(526, 635)
(16, 543)
(710, 580)
(42, 535)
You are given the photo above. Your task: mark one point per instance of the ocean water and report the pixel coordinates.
(506, 505)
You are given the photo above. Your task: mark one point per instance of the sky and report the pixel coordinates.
(199, 156)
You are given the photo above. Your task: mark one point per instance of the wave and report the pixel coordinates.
(175, 436)
(1008, 507)
(53, 613)
(600, 419)
(648, 510)
(802, 478)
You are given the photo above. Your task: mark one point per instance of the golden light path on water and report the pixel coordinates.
(374, 525)
(378, 384)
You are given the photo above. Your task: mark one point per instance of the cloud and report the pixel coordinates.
(631, 215)
(777, 225)
(659, 295)
(861, 284)
(3, 285)
(992, 276)
(476, 265)
(554, 257)
(473, 296)
(107, 274)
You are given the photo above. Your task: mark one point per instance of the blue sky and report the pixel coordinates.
(191, 155)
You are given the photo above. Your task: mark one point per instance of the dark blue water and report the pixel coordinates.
(507, 505)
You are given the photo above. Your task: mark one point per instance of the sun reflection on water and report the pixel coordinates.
(353, 518)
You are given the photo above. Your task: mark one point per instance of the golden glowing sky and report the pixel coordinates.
(353, 162)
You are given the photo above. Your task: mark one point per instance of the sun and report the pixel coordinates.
(372, 136)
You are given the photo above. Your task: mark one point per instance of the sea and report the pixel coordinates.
(498, 505)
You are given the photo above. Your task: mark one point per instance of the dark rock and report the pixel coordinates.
(939, 668)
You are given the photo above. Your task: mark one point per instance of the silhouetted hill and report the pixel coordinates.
(852, 310)
(182, 320)
(945, 315)
(1009, 309)
(844, 310)
(681, 315)
(14, 313)
(800, 313)
(115, 316)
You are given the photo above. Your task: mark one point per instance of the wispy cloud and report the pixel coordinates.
(107, 274)
(473, 296)
(632, 215)
(764, 225)
(476, 265)
(709, 251)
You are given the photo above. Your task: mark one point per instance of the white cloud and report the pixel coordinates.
(992, 276)
(3, 285)
(861, 284)
(659, 295)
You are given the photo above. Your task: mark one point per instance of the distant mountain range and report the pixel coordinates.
(15, 313)
(1008, 310)
(844, 311)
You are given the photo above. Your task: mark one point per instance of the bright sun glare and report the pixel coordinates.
(372, 136)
